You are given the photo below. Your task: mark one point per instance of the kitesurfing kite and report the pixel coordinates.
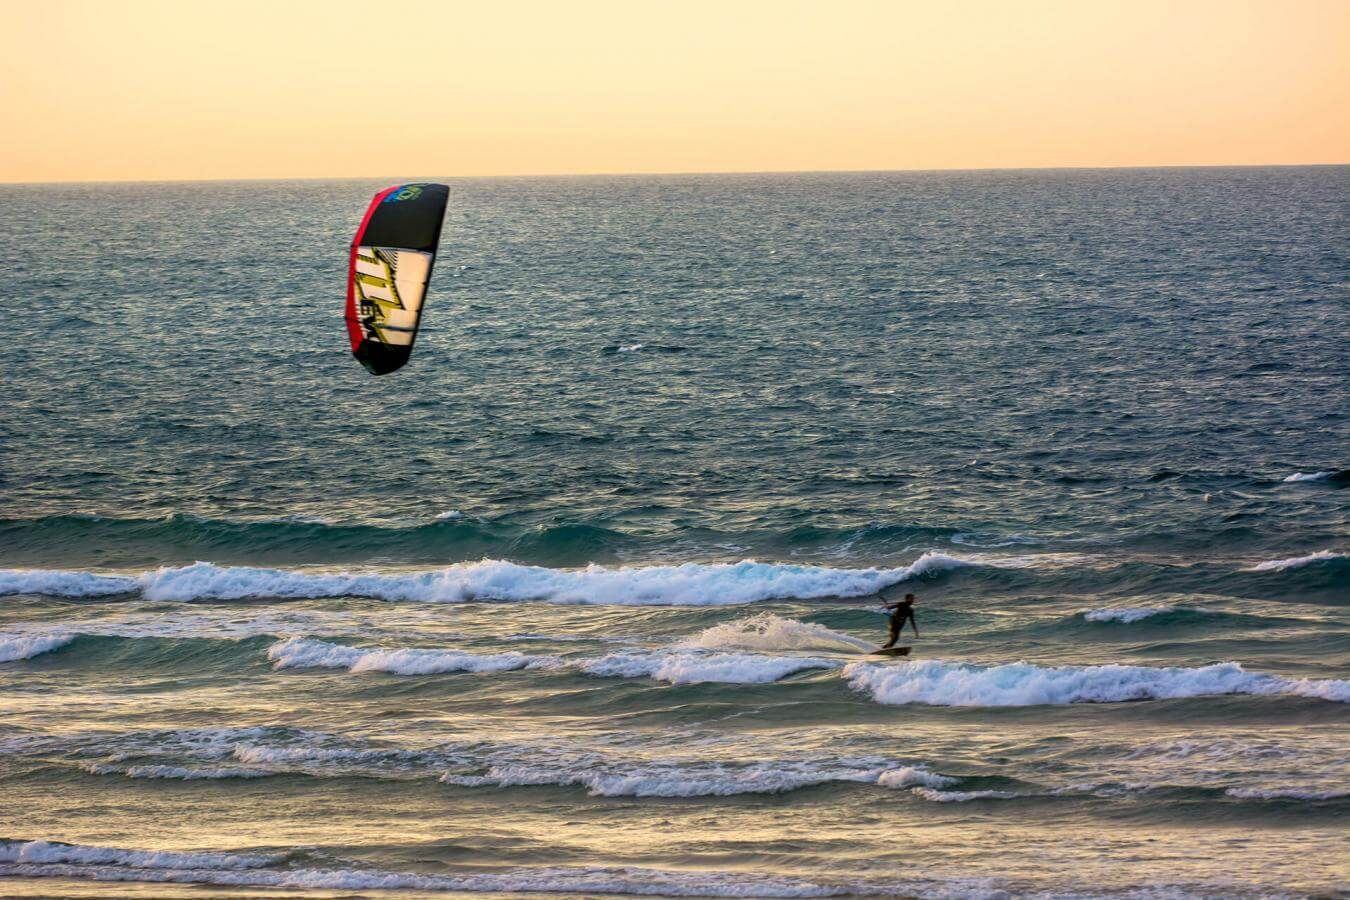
(387, 276)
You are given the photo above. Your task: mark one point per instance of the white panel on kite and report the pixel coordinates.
(390, 284)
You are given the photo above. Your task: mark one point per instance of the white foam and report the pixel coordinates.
(631, 348)
(678, 667)
(943, 683)
(210, 624)
(41, 859)
(1285, 793)
(84, 855)
(310, 756)
(315, 758)
(692, 584)
(196, 744)
(1125, 615)
(25, 646)
(1295, 562)
(299, 653)
(959, 796)
(56, 583)
(669, 779)
(693, 667)
(769, 632)
(629, 769)
(1335, 690)
(912, 776)
(578, 881)
(449, 514)
(1310, 476)
(180, 773)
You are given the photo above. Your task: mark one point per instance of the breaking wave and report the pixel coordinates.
(1125, 615)
(943, 683)
(83, 855)
(1296, 562)
(693, 668)
(56, 583)
(299, 653)
(690, 780)
(44, 859)
(178, 773)
(655, 770)
(914, 776)
(937, 796)
(1331, 475)
(677, 667)
(691, 584)
(766, 631)
(25, 646)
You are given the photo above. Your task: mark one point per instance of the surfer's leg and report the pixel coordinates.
(895, 636)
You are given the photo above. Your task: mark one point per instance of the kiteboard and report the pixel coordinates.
(387, 272)
(891, 651)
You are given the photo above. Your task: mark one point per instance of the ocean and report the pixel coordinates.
(579, 602)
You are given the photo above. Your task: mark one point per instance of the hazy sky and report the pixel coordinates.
(179, 89)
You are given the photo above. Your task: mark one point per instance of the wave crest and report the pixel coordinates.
(766, 631)
(1296, 562)
(177, 773)
(937, 796)
(84, 855)
(1125, 615)
(694, 668)
(42, 859)
(689, 584)
(301, 653)
(944, 683)
(1330, 475)
(26, 646)
(707, 780)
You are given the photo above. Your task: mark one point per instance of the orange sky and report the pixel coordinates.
(170, 90)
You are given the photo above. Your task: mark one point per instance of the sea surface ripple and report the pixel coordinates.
(579, 601)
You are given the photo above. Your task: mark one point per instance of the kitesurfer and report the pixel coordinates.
(900, 613)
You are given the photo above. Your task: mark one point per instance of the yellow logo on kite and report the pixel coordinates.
(376, 293)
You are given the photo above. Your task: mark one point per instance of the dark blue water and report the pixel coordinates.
(1097, 420)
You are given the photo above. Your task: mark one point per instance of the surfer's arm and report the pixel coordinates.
(913, 623)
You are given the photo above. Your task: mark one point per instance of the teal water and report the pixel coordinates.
(578, 601)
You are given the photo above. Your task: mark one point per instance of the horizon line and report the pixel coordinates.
(684, 174)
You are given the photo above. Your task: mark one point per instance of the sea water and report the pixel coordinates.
(579, 601)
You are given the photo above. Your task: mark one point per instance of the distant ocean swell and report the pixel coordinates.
(451, 536)
(1324, 574)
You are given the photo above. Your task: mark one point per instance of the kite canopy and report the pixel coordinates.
(391, 259)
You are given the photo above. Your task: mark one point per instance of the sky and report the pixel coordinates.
(184, 90)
